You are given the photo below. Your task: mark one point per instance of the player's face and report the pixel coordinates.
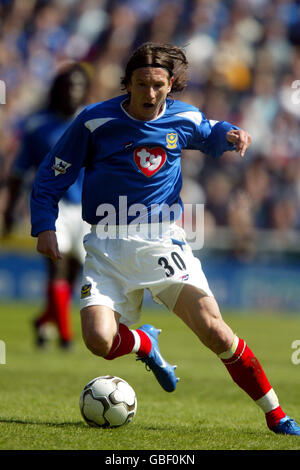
(76, 88)
(72, 92)
(148, 90)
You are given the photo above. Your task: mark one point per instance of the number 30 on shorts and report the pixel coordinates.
(168, 266)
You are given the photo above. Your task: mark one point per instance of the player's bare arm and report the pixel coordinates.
(242, 140)
(47, 245)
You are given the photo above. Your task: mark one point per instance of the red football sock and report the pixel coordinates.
(249, 375)
(60, 294)
(48, 314)
(126, 342)
(274, 416)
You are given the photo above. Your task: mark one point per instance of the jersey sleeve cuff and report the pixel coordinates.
(221, 144)
(42, 226)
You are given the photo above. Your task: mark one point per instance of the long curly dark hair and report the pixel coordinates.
(167, 56)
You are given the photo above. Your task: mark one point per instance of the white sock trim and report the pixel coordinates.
(228, 354)
(268, 402)
(137, 342)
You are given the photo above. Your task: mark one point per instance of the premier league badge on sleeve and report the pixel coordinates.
(60, 167)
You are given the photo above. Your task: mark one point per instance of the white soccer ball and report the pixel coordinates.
(107, 401)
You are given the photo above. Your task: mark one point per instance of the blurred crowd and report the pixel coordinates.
(244, 68)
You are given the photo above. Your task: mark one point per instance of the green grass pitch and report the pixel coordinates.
(40, 389)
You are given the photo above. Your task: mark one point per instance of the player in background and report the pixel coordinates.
(42, 129)
(131, 147)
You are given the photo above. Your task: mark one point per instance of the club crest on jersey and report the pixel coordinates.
(149, 160)
(172, 138)
(60, 167)
(85, 291)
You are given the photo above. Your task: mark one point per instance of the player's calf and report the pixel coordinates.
(97, 344)
(104, 336)
(99, 325)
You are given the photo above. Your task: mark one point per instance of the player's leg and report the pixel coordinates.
(60, 300)
(99, 326)
(69, 232)
(46, 316)
(57, 305)
(105, 336)
(201, 313)
(59, 292)
(105, 284)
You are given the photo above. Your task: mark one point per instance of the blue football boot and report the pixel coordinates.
(287, 426)
(163, 371)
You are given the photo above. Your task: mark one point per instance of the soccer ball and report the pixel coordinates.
(107, 401)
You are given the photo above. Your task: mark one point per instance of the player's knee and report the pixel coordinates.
(219, 340)
(98, 333)
(218, 335)
(97, 342)
(215, 333)
(97, 338)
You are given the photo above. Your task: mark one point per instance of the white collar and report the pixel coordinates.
(140, 120)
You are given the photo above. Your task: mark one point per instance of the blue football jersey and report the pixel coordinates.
(41, 132)
(128, 163)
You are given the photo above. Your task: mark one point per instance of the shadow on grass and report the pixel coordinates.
(76, 424)
(42, 423)
(201, 429)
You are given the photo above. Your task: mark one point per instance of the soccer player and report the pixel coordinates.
(130, 147)
(42, 129)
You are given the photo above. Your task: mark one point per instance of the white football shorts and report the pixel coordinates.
(117, 270)
(70, 230)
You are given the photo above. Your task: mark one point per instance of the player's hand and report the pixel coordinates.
(241, 139)
(47, 245)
